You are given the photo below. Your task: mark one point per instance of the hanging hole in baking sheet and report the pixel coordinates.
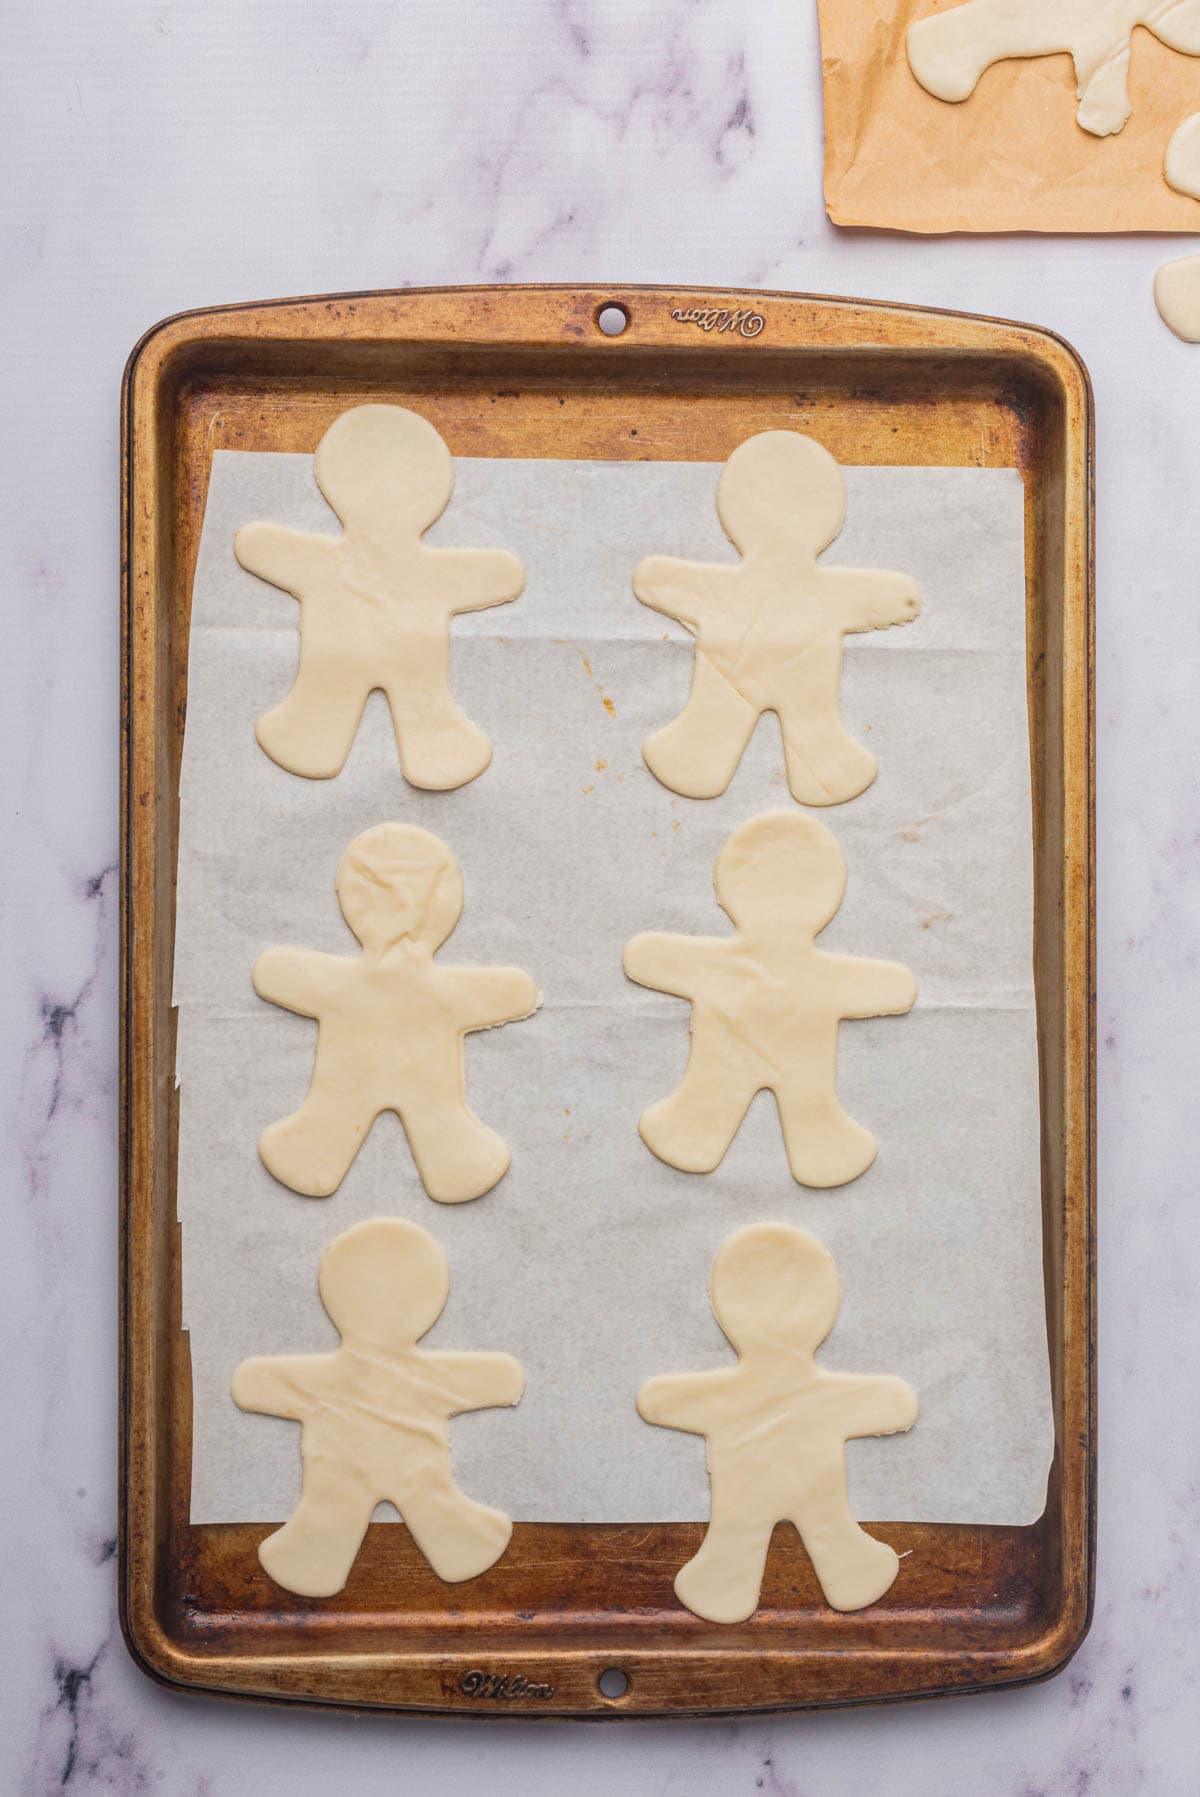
(613, 1682)
(612, 319)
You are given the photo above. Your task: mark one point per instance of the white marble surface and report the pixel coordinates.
(162, 154)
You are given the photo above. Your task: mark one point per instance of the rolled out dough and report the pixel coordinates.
(770, 630)
(392, 1020)
(374, 1415)
(949, 51)
(776, 1426)
(766, 1005)
(376, 604)
(1177, 284)
(1182, 163)
(1177, 296)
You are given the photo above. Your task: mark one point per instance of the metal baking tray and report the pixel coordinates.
(527, 371)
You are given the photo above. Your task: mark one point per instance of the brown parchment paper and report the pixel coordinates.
(1011, 158)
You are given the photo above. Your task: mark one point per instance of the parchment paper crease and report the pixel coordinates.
(589, 1261)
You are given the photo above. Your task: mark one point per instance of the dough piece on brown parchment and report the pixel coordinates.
(374, 1415)
(1181, 165)
(391, 1023)
(769, 630)
(766, 1006)
(376, 604)
(776, 1426)
(949, 51)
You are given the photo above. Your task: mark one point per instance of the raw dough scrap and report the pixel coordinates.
(766, 1005)
(1177, 296)
(375, 604)
(392, 1020)
(776, 1427)
(949, 51)
(769, 630)
(1177, 284)
(1182, 163)
(374, 1416)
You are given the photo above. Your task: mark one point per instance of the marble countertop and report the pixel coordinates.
(163, 154)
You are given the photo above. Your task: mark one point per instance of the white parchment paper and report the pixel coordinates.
(589, 1261)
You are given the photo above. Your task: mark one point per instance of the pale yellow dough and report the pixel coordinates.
(392, 1020)
(949, 51)
(776, 1426)
(374, 1416)
(769, 631)
(375, 604)
(766, 1005)
(1177, 296)
(1177, 284)
(1182, 162)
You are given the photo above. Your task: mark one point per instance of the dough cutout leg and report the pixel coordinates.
(723, 1580)
(457, 1156)
(311, 732)
(697, 754)
(459, 1538)
(439, 747)
(825, 1147)
(824, 763)
(854, 1569)
(312, 1150)
(692, 1129)
(313, 1552)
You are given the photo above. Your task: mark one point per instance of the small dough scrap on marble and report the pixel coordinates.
(769, 630)
(949, 51)
(1182, 162)
(1177, 296)
(766, 1006)
(374, 1416)
(776, 1428)
(376, 604)
(392, 1020)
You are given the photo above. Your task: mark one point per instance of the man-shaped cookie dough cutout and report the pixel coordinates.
(777, 1427)
(769, 630)
(766, 1005)
(376, 605)
(392, 1020)
(374, 1416)
(949, 51)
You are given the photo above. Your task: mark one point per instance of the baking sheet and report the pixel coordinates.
(589, 1260)
(1010, 158)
